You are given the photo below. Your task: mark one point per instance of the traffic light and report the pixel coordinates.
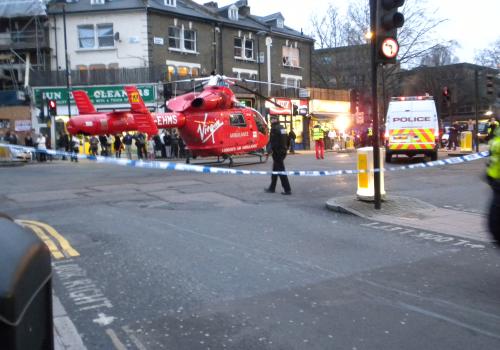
(489, 84)
(446, 94)
(388, 22)
(52, 107)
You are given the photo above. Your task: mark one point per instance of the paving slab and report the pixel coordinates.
(412, 212)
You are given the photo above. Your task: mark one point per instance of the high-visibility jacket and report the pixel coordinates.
(370, 132)
(318, 133)
(493, 170)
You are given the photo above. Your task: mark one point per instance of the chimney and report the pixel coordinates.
(244, 10)
(211, 4)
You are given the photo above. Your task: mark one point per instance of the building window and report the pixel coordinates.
(177, 69)
(233, 13)
(181, 39)
(291, 57)
(105, 35)
(169, 3)
(190, 40)
(174, 38)
(243, 48)
(86, 38)
(279, 23)
(96, 2)
(291, 81)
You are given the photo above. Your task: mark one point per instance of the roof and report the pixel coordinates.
(22, 8)
(185, 8)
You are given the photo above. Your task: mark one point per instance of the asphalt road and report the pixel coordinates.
(173, 260)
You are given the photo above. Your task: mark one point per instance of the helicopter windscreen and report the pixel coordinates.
(259, 120)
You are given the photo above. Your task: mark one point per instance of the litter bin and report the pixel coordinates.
(25, 290)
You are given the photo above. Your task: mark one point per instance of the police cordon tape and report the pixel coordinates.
(147, 164)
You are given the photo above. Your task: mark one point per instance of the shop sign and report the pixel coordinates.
(22, 125)
(99, 95)
(328, 106)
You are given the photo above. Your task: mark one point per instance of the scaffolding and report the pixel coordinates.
(24, 42)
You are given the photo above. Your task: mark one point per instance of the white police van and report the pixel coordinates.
(411, 127)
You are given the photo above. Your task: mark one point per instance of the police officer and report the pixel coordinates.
(493, 174)
(278, 142)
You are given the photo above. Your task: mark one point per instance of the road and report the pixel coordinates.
(176, 260)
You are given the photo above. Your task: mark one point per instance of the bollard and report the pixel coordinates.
(25, 290)
(466, 141)
(366, 180)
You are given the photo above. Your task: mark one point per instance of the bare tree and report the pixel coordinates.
(442, 55)
(328, 28)
(489, 57)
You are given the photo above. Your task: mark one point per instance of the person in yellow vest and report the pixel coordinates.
(492, 126)
(493, 175)
(319, 143)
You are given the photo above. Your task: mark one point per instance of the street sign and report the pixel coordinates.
(390, 48)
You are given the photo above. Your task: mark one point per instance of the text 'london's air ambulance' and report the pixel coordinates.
(412, 127)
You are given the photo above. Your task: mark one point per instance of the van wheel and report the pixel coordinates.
(434, 156)
(388, 157)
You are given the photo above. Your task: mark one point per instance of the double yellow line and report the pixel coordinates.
(58, 245)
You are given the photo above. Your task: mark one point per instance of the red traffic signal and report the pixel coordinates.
(446, 93)
(52, 107)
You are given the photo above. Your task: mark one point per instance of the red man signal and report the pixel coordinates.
(52, 108)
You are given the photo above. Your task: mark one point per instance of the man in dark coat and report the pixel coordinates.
(278, 140)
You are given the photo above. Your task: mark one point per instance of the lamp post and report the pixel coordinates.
(259, 34)
(62, 3)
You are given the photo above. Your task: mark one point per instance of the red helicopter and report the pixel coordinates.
(211, 122)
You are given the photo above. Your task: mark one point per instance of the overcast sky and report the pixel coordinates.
(473, 27)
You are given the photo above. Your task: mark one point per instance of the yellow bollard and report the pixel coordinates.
(466, 141)
(366, 180)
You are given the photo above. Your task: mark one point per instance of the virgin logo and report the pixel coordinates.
(208, 131)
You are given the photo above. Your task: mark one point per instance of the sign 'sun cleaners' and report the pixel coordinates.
(213, 170)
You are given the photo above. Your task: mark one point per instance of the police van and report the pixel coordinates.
(412, 127)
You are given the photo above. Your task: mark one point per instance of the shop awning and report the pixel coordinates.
(275, 110)
(326, 116)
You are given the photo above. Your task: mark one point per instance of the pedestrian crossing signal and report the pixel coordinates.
(52, 108)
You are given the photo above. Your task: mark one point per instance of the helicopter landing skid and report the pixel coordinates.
(262, 159)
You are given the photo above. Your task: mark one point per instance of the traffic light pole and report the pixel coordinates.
(376, 129)
(476, 107)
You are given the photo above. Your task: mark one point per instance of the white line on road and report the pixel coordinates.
(134, 339)
(114, 338)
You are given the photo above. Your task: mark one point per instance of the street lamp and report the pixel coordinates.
(260, 33)
(62, 3)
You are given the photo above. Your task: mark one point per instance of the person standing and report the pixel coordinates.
(278, 140)
(117, 144)
(94, 145)
(493, 176)
(492, 126)
(75, 148)
(41, 148)
(319, 144)
(291, 139)
(62, 144)
(127, 141)
(453, 139)
(167, 140)
(103, 140)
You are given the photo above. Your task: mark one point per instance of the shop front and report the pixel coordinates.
(292, 114)
(332, 116)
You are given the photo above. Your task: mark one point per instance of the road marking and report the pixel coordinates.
(65, 333)
(431, 236)
(103, 320)
(48, 242)
(114, 338)
(134, 339)
(63, 242)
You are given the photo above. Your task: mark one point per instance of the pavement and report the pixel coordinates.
(412, 212)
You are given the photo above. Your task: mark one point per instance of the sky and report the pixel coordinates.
(474, 26)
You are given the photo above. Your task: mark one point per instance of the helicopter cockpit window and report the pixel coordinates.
(261, 124)
(237, 120)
